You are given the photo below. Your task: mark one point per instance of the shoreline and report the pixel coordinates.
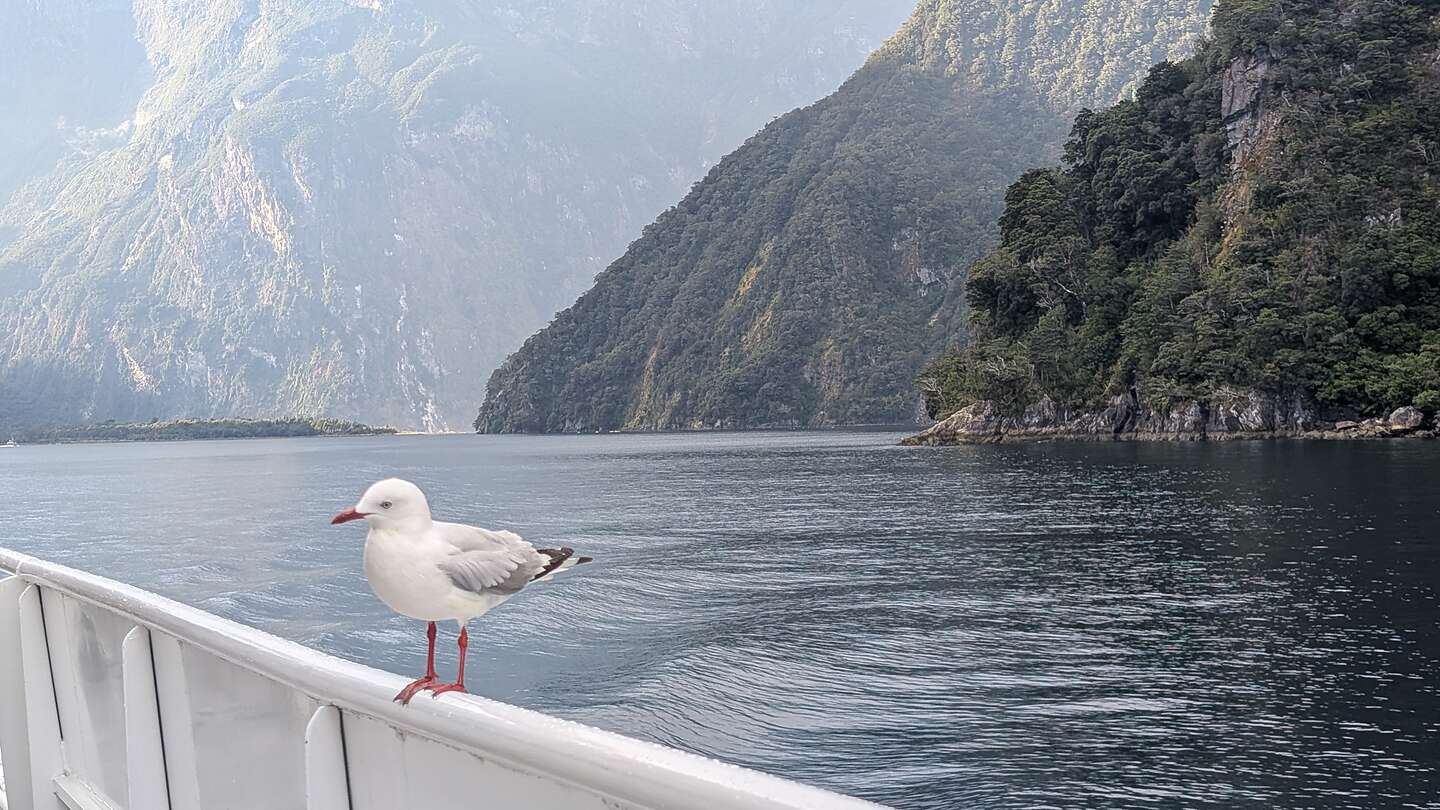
(178, 439)
(180, 430)
(1248, 418)
(921, 440)
(879, 427)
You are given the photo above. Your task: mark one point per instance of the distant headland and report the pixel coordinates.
(174, 430)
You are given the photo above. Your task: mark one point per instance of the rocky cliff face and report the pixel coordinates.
(1246, 101)
(350, 209)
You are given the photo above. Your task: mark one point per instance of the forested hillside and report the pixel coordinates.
(1260, 225)
(351, 209)
(803, 282)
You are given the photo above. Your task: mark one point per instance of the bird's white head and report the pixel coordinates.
(389, 504)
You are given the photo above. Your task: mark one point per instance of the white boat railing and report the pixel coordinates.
(112, 697)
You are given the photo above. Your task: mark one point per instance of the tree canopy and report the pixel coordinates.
(1264, 215)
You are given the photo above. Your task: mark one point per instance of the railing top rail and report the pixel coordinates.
(620, 767)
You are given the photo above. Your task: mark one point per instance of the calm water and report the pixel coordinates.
(1087, 625)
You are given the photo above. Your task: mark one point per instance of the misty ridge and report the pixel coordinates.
(351, 210)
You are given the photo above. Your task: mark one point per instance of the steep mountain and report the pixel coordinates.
(351, 209)
(1251, 245)
(802, 282)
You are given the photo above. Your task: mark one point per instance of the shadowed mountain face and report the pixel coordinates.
(804, 282)
(354, 210)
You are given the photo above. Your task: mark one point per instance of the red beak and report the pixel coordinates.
(347, 516)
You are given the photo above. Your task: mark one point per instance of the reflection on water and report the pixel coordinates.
(1063, 625)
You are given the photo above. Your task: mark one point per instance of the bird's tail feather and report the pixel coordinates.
(561, 559)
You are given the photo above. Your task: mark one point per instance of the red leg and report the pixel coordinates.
(430, 676)
(430, 653)
(459, 684)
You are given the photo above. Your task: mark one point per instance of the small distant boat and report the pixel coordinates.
(10, 443)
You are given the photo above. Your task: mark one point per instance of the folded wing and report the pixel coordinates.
(489, 562)
(492, 562)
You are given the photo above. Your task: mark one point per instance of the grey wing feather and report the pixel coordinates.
(487, 561)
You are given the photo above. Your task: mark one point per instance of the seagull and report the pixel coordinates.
(435, 571)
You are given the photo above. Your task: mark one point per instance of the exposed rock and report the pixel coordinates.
(1245, 91)
(1406, 418)
(1227, 415)
(1407, 421)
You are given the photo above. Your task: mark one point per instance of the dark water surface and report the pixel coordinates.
(1061, 625)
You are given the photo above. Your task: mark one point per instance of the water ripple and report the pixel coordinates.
(1061, 626)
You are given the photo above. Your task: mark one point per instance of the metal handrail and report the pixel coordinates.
(581, 756)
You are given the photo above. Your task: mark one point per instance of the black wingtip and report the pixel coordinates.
(557, 556)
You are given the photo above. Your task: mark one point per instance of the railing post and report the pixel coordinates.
(42, 718)
(14, 734)
(327, 784)
(176, 724)
(144, 751)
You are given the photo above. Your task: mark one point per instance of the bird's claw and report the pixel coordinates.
(440, 689)
(414, 689)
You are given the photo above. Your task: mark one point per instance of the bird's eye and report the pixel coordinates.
(386, 504)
